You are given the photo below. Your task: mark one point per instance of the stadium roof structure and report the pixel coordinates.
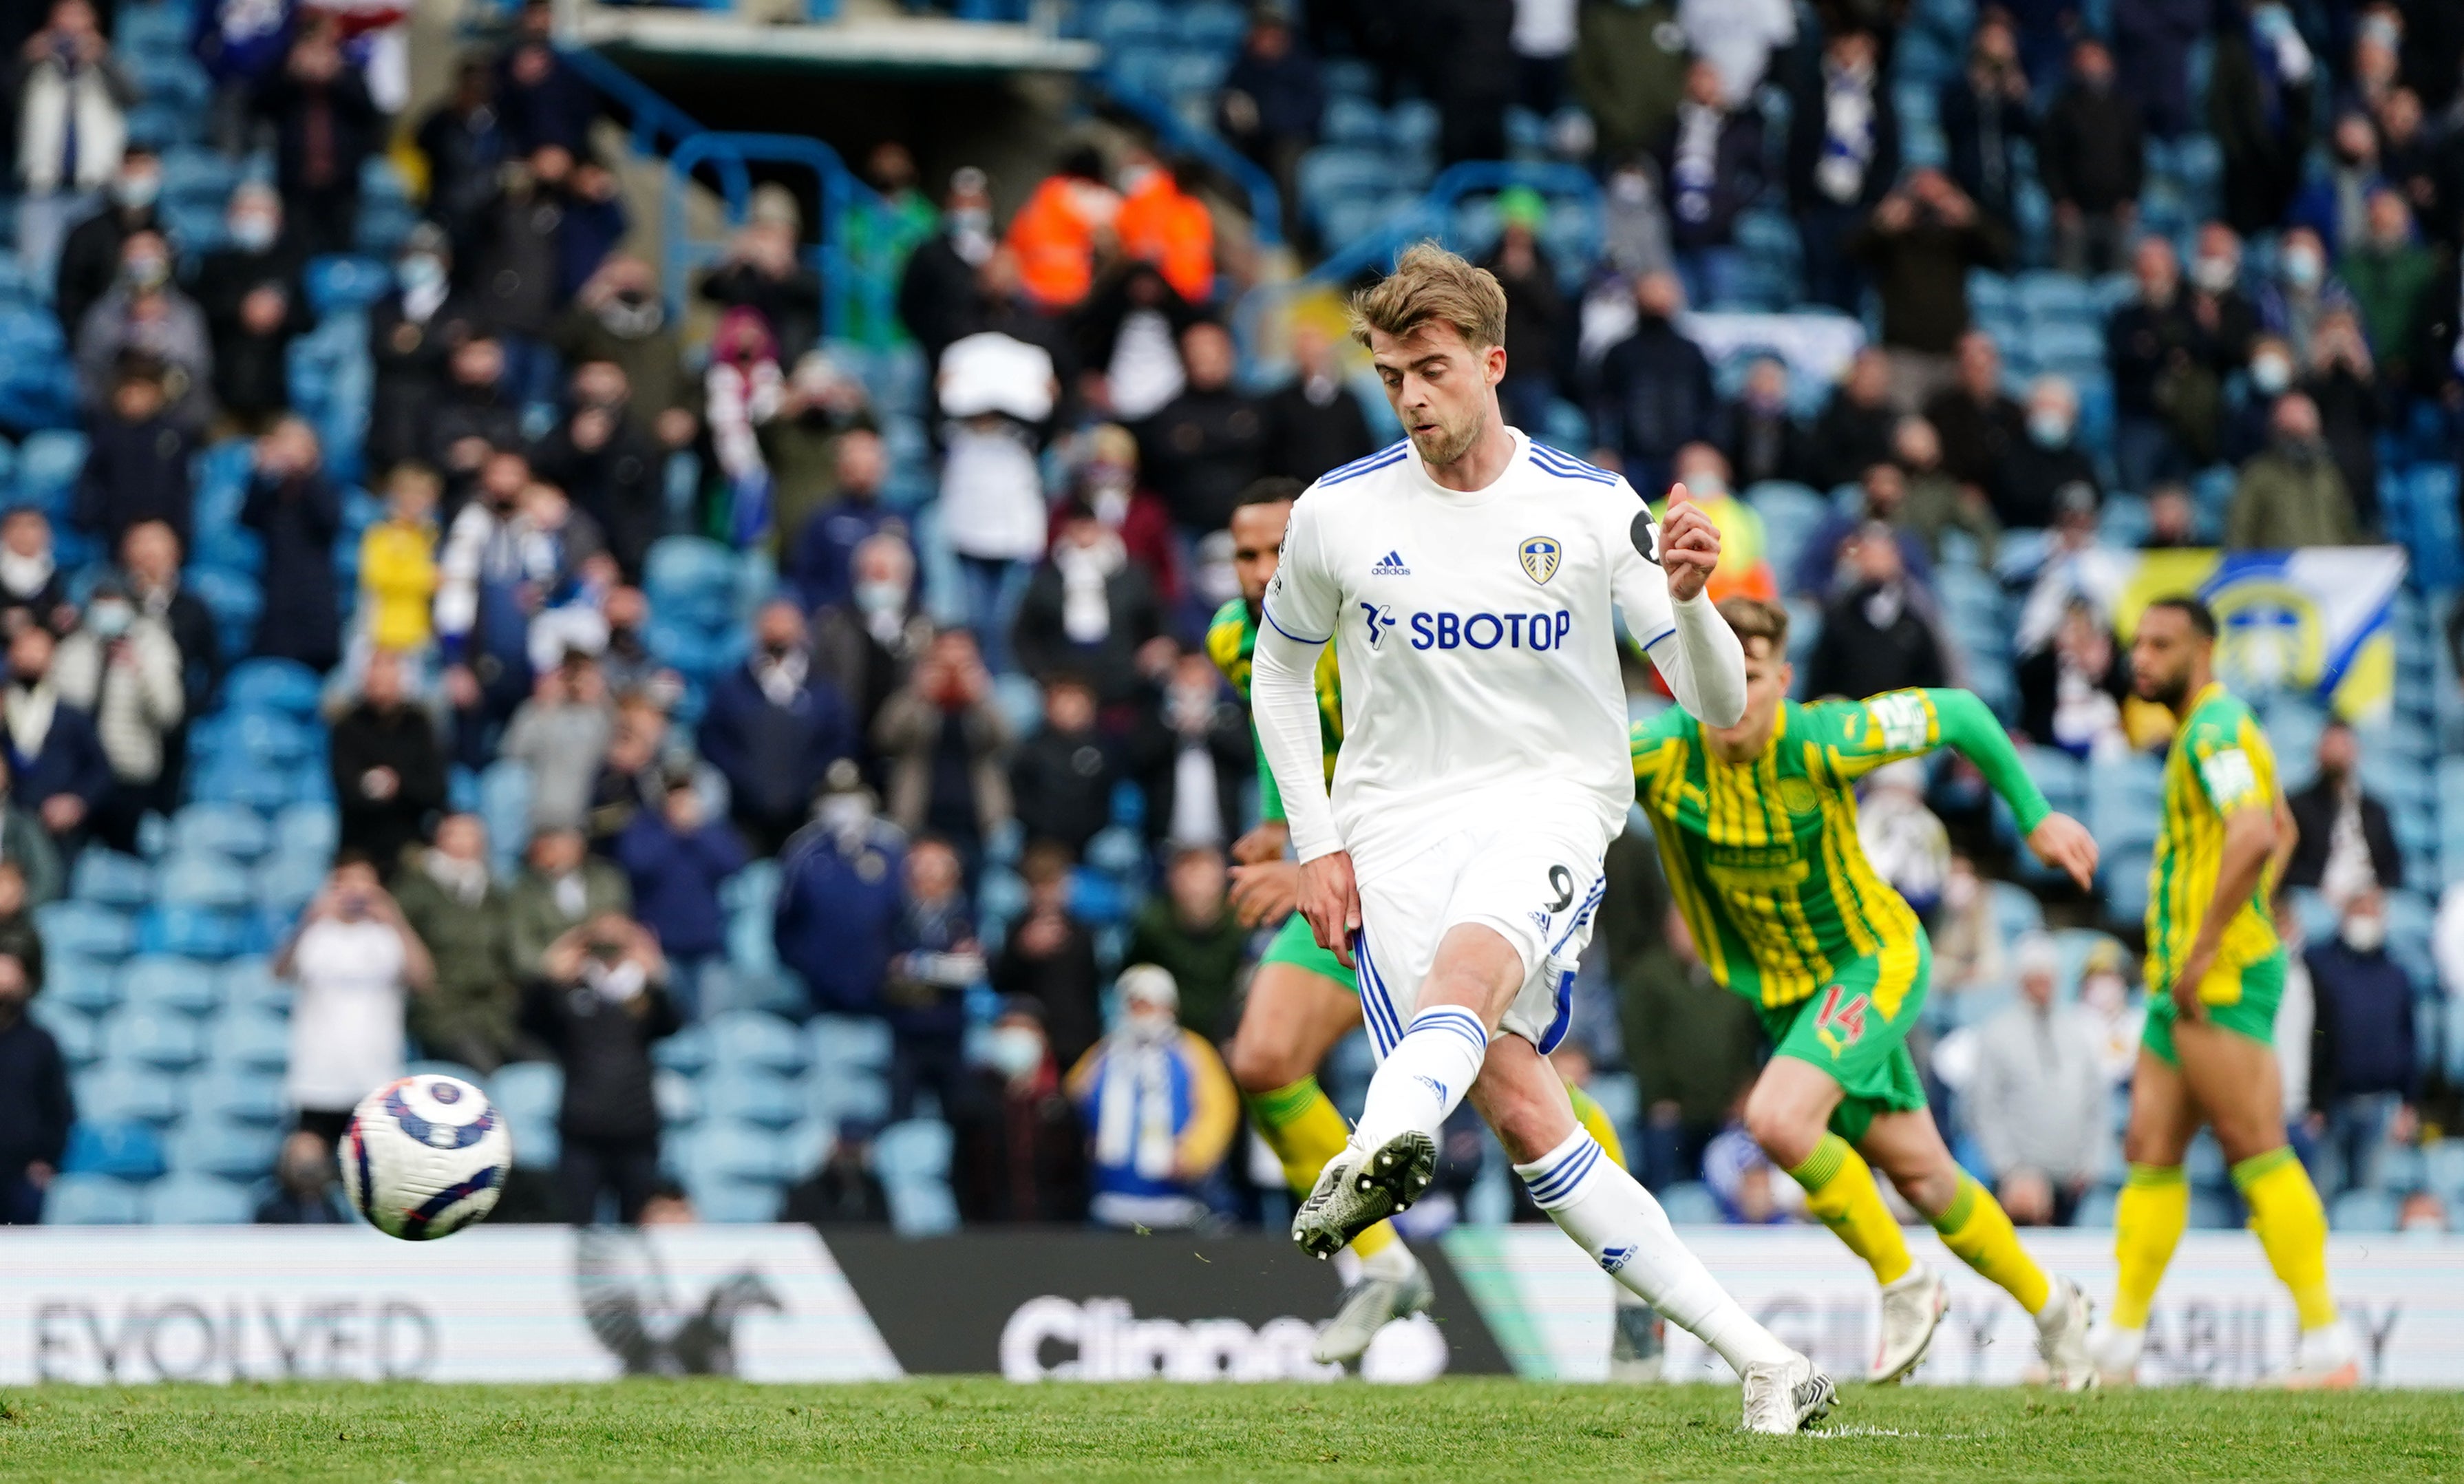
(858, 40)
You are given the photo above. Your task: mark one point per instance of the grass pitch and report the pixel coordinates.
(1476, 1430)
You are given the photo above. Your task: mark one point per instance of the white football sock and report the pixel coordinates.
(1611, 1216)
(1424, 1077)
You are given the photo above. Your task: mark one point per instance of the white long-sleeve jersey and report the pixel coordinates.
(1477, 649)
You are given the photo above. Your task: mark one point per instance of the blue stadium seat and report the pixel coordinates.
(913, 1161)
(679, 1100)
(48, 465)
(251, 1038)
(746, 1096)
(92, 1201)
(848, 1041)
(688, 1050)
(72, 1029)
(2124, 875)
(199, 1199)
(306, 829)
(2367, 1213)
(834, 1094)
(78, 983)
(1690, 1202)
(2016, 909)
(346, 282)
(274, 738)
(528, 1093)
(1353, 120)
(226, 1149)
(194, 932)
(1217, 24)
(166, 983)
(2213, 1210)
(2442, 1168)
(2096, 1210)
(212, 830)
(285, 884)
(249, 986)
(111, 879)
(731, 1150)
(152, 1037)
(84, 930)
(505, 808)
(271, 685)
(228, 1092)
(751, 1038)
(127, 1149)
(194, 877)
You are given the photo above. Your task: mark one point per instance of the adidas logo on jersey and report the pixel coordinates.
(1391, 564)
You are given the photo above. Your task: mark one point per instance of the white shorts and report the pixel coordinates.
(1538, 883)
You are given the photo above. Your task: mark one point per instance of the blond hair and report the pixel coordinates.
(1753, 619)
(1430, 283)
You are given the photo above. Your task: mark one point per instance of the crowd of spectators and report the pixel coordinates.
(540, 421)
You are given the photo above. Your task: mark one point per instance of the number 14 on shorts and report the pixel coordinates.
(1840, 1021)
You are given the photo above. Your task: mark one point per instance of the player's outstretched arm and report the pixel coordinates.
(1283, 703)
(1695, 649)
(1969, 728)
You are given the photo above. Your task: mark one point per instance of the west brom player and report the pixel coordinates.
(1467, 579)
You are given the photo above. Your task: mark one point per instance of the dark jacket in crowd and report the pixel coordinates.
(1654, 396)
(1020, 1155)
(605, 1046)
(2039, 676)
(1874, 642)
(2261, 124)
(822, 555)
(1981, 131)
(2092, 150)
(342, 110)
(2152, 58)
(2027, 488)
(519, 272)
(1806, 125)
(1538, 321)
(299, 518)
(772, 756)
(201, 647)
(918, 1007)
(409, 358)
(134, 473)
(464, 152)
(1043, 641)
(839, 902)
(1850, 438)
(1204, 961)
(2314, 814)
(1974, 437)
(90, 260)
(1921, 274)
(790, 304)
(1063, 981)
(1290, 94)
(36, 1105)
(936, 296)
(455, 411)
(2362, 1038)
(1705, 216)
(404, 740)
(557, 109)
(1767, 444)
(70, 761)
(621, 484)
(251, 368)
(468, 1013)
(1199, 451)
(1062, 783)
(676, 878)
(1311, 430)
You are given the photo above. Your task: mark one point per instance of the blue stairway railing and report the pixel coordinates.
(846, 283)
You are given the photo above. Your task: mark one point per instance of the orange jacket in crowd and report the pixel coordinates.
(1171, 229)
(1054, 237)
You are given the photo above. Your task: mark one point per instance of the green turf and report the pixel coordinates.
(1488, 1432)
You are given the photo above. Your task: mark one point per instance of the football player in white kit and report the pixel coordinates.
(1467, 577)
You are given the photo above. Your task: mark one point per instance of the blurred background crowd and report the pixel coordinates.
(749, 710)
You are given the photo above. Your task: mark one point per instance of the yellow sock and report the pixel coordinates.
(2147, 1224)
(1979, 1230)
(1300, 1123)
(1839, 1189)
(1596, 1122)
(2292, 1225)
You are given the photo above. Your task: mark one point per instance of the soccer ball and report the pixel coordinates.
(425, 1157)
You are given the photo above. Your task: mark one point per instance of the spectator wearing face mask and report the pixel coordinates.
(2035, 474)
(460, 913)
(485, 574)
(760, 269)
(2364, 1073)
(121, 668)
(33, 590)
(678, 859)
(1654, 392)
(839, 897)
(2347, 844)
(808, 442)
(72, 98)
(90, 255)
(866, 642)
(821, 552)
(2073, 689)
(1823, 567)
(1159, 1108)
(1129, 334)
(1063, 776)
(354, 963)
(945, 740)
(1875, 638)
(561, 733)
(2343, 380)
(255, 303)
(36, 1104)
(1712, 160)
(1763, 440)
(1843, 153)
(1314, 423)
(2301, 293)
(2222, 311)
(416, 334)
(599, 1002)
(608, 463)
(1089, 611)
(138, 459)
(295, 508)
(560, 888)
(633, 776)
(389, 766)
(1854, 431)
(307, 1191)
(1745, 570)
(326, 126)
(2291, 495)
(1107, 482)
(54, 754)
(1020, 1153)
(619, 316)
(774, 727)
(2038, 1101)
(2336, 203)
(1937, 503)
(1163, 223)
(144, 313)
(939, 280)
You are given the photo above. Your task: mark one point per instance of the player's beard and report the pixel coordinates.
(2168, 692)
(1452, 441)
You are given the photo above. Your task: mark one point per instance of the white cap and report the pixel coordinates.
(1149, 984)
(2036, 952)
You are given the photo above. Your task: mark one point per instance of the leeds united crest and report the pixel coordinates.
(1540, 555)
